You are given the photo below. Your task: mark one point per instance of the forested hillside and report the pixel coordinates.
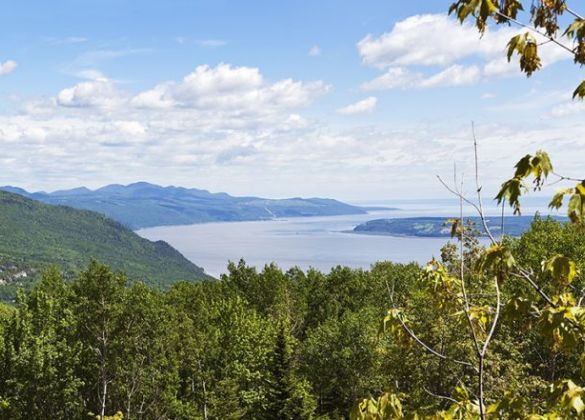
(35, 235)
(262, 345)
(440, 227)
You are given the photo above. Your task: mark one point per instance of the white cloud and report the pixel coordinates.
(315, 51)
(210, 43)
(91, 58)
(224, 114)
(70, 40)
(455, 75)
(567, 109)
(90, 74)
(360, 107)
(395, 77)
(430, 40)
(227, 127)
(99, 93)
(399, 77)
(7, 67)
(230, 88)
(437, 41)
(222, 88)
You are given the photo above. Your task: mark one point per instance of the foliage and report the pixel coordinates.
(36, 235)
(528, 291)
(543, 26)
(271, 344)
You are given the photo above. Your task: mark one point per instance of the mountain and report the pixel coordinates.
(141, 205)
(35, 235)
(441, 227)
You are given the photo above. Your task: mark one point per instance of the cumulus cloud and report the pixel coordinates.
(99, 93)
(455, 75)
(227, 127)
(437, 41)
(103, 132)
(226, 87)
(7, 67)
(222, 88)
(399, 77)
(394, 77)
(360, 107)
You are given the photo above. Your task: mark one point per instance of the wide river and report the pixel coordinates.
(319, 242)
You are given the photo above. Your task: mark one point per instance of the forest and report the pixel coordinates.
(269, 344)
(482, 331)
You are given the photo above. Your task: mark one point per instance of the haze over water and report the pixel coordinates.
(319, 242)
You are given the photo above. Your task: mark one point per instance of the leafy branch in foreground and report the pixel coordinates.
(484, 297)
(542, 25)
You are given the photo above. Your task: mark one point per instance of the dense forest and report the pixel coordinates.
(494, 331)
(36, 235)
(263, 345)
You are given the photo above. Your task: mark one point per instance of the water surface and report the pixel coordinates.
(319, 242)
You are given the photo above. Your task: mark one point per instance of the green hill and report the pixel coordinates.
(34, 235)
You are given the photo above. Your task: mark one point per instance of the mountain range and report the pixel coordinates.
(142, 205)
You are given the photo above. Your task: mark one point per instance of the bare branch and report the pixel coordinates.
(572, 12)
(430, 349)
(478, 186)
(496, 318)
(526, 275)
(462, 275)
(418, 340)
(442, 397)
(566, 178)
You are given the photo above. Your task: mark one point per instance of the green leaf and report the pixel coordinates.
(516, 44)
(557, 200)
(580, 91)
(562, 269)
(575, 209)
(511, 191)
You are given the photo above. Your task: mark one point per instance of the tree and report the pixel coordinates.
(39, 361)
(341, 358)
(146, 375)
(477, 296)
(289, 397)
(543, 26)
(99, 298)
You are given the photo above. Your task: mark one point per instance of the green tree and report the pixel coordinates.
(341, 360)
(487, 300)
(289, 396)
(99, 296)
(145, 379)
(40, 359)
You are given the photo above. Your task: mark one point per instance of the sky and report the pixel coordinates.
(357, 100)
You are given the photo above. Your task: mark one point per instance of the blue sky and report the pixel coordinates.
(356, 100)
